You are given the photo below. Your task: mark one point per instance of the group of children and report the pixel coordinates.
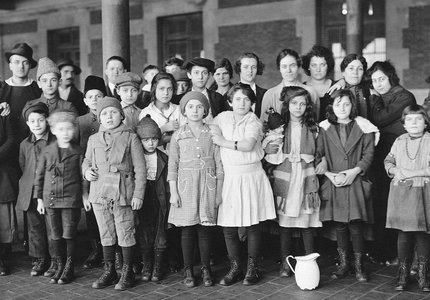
(138, 172)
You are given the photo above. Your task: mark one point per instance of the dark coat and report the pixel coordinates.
(218, 103)
(9, 173)
(353, 202)
(77, 99)
(87, 126)
(59, 181)
(109, 93)
(259, 95)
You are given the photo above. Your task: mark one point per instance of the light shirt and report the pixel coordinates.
(151, 166)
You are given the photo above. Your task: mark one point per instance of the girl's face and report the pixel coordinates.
(342, 109)
(415, 124)
(289, 68)
(318, 68)
(150, 144)
(297, 108)
(380, 82)
(110, 117)
(222, 77)
(241, 103)
(353, 72)
(248, 69)
(164, 91)
(194, 110)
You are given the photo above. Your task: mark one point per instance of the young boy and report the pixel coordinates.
(48, 78)
(94, 91)
(29, 154)
(58, 186)
(127, 86)
(183, 85)
(115, 166)
(151, 231)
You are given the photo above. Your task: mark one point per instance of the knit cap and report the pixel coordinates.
(193, 95)
(94, 83)
(147, 128)
(128, 78)
(107, 102)
(46, 66)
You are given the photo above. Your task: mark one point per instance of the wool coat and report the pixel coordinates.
(8, 172)
(353, 202)
(218, 103)
(58, 179)
(77, 99)
(259, 95)
(87, 126)
(28, 160)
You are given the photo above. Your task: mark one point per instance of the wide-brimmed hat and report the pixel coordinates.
(68, 62)
(22, 49)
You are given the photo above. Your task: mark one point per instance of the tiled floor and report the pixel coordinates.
(20, 285)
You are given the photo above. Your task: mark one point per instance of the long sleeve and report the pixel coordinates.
(6, 149)
(87, 163)
(368, 151)
(139, 167)
(22, 156)
(40, 176)
(390, 160)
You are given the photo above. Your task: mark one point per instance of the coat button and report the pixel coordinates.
(198, 155)
(52, 193)
(53, 181)
(346, 158)
(92, 130)
(52, 198)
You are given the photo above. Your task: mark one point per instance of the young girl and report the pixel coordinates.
(247, 195)
(295, 184)
(195, 176)
(408, 203)
(347, 142)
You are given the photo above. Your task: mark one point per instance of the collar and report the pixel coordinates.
(253, 87)
(125, 105)
(170, 110)
(204, 92)
(44, 137)
(11, 83)
(122, 127)
(111, 87)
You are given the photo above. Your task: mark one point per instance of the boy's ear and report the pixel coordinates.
(189, 75)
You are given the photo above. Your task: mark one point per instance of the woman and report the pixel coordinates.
(289, 63)
(223, 74)
(246, 194)
(319, 65)
(387, 102)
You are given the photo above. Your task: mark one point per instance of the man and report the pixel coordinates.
(67, 88)
(115, 65)
(16, 91)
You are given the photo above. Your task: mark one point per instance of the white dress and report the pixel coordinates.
(247, 197)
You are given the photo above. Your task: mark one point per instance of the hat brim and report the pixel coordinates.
(33, 63)
(75, 67)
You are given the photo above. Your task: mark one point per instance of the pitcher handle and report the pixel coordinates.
(288, 262)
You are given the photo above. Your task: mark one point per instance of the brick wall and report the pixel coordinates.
(266, 39)
(417, 39)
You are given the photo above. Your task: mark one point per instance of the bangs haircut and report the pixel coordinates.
(416, 109)
(238, 63)
(226, 64)
(331, 117)
(246, 90)
(156, 80)
(318, 51)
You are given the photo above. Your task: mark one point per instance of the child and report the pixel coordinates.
(127, 86)
(275, 136)
(29, 154)
(115, 166)
(9, 190)
(183, 84)
(144, 97)
(151, 231)
(94, 91)
(58, 187)
(48, 78)
(408, 203)
(295, 184)
(195, 178)
(347, 142)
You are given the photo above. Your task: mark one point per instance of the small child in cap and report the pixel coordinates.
(115, 166)
(58, 188)
(195, 177)
(151, 231)
(127, 86)
(274, 135)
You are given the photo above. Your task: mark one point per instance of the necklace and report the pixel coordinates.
(416, 153)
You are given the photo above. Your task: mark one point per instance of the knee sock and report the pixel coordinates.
(356, 231)
(57, 248)
(232, 242)
(188, 240)
(405, 245)
(109, 253)
(127, 255)
(286, 240)
(308, 240)
(204, 236)
(71, 247)
(254, 240)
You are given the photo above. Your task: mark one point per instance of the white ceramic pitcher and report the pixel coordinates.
(307, 273)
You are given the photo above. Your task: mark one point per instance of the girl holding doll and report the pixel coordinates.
(295, 184)
(346, 145)
(408, 164)
(195, 176)
(247, 195)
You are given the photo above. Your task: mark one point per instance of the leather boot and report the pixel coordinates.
(59, 271)
(157, 273)
(118, 259)
(109, 276)
(233, 275)
(127, 278)
(343, 268)
(423, 280)
(4, 270)
(94, 259)
(52, 268)
(40, 266)
(189, 277)
(360, 272)
(252, 275)
(68, 272)
(207, 276)
(148, 265)
(403, 275)
(285, 270)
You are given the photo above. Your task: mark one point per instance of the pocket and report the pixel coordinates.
(99, 155)
(210, 181)
(311, 184)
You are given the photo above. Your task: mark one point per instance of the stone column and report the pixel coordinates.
(354, 27)
(116, 29)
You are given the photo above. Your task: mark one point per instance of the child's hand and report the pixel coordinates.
(87, 205)
(350, 175)
(170, 126)
(91, 174)
(272, 148)
(136, 203)
(321, 168)
(175, 200)
(332, 177)
(40, 207)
